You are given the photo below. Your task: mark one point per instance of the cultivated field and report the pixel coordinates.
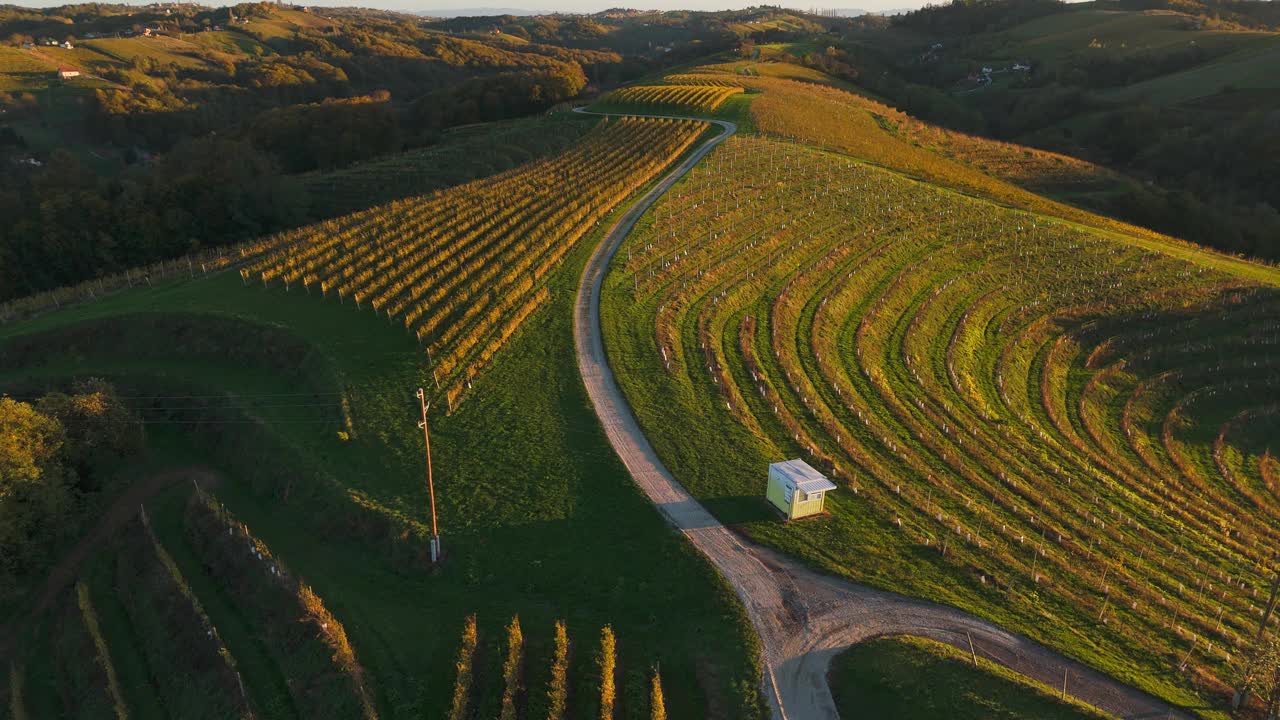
(1028, 418)
(674, 98)
(462, 269)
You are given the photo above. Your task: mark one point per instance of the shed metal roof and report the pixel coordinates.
(803, 475)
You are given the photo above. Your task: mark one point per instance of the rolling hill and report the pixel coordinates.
(1055, 422)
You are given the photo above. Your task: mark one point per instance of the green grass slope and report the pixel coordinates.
(1124, 32)
(913, 679)
(21, 71)
(1250, 68)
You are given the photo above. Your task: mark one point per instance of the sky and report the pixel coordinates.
(574, 6)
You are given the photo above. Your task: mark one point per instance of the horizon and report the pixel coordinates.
(547, 7)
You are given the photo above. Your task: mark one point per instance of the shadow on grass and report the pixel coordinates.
(741, 509)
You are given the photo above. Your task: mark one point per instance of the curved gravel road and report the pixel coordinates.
(804, 618)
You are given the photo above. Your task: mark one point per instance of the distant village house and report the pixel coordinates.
(67, 73)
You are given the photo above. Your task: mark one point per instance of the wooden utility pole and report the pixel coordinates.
(431, 485)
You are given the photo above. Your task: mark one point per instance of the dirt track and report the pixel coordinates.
(804, 618)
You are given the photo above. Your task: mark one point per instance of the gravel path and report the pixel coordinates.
(804, 618)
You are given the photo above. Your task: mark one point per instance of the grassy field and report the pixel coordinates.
(81, 57)
(1017, 408)
(283, 23)
(538, 516)
(58, 123)
(164, 50)
(1249, 68)
(20, 71)
(1123, 32)
(915, 679)
(231, 42)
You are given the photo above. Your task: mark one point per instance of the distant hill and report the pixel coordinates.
(856, 12)
(477, 12)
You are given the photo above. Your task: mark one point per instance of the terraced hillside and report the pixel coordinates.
(681, 98)
(461, 276)
(1049, 424)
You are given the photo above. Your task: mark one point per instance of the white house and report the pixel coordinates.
(67, 73)
(796, 489)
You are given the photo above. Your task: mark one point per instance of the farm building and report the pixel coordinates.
(67, 73)
(796, 489)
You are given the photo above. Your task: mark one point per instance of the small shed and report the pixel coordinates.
(796, 489)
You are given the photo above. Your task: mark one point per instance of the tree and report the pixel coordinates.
(34, 492)
(100, 429)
